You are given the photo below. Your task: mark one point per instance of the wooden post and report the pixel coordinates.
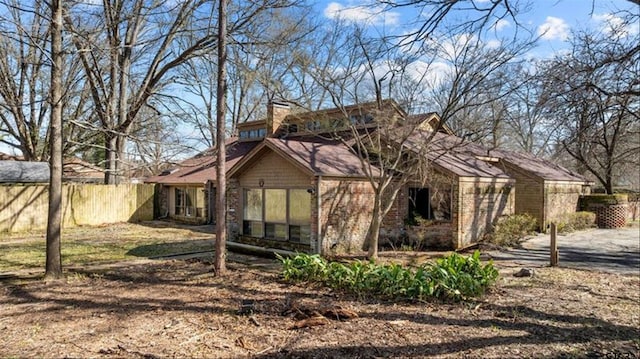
(554, 246)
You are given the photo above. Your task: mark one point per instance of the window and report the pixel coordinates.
(429, 204)
(299, 215)
(252, 212)
(257, 133)
(179, 200)
(275, 213)
(313, 125)
(293, 128)
(287, 214)
(190, 202)
(361, 119)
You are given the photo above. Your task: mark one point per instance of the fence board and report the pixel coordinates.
(24, 207)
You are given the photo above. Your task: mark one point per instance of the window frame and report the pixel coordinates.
(294, 230)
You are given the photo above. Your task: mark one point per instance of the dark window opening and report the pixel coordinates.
(429, 204)
(419, 205)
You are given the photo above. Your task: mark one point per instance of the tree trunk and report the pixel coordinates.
(111, 145)
(53, 266)
(373, 233)
(221, 205)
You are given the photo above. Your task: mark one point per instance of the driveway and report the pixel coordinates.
(608, 250)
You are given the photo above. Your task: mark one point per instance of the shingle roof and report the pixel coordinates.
(202, 167)
(24, 172)
(540, 167)
(321, 156)
(460, 153)
(454, 155)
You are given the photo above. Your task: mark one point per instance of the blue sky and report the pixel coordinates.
(553, 20)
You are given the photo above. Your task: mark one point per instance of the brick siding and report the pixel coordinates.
(480, 204)
(345, 215)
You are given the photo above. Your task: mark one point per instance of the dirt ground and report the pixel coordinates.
(177, 308)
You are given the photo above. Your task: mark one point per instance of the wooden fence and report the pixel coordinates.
(24, 207)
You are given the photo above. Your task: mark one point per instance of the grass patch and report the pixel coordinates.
(83, 246)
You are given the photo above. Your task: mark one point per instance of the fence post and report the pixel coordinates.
(554, 246)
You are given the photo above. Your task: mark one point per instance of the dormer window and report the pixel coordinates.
(361, 119)
(313, 125)
(293, 128)
(251, 134)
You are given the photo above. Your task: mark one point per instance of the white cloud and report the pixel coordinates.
(501, 24)
(554, 28)
(613, 25)
(494, 44)
(368, 14)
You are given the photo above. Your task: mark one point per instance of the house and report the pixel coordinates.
(76, 170)
(185, 192)
(21, 172)
(544, 189)
(292, 184)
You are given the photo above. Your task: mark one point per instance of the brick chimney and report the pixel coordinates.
(276, 112)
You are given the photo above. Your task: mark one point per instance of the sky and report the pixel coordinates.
(552, 20)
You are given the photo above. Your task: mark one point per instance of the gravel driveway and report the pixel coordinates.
(609, 250)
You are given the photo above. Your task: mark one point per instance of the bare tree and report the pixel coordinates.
(221, 170)
(128, 50)
(53, 268)
(24, 83)
(596, 95)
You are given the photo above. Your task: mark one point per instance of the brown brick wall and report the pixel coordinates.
(560, 199)
(529, 194)
(345, 214)
(481, 204)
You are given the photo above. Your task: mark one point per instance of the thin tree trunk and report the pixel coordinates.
(373, 234)
(221, 205)
(53, 267)
(110, 150)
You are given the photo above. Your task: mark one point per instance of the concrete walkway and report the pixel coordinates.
(608, 250)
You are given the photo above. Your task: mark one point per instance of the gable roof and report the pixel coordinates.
(202, 167)
(313, 155)
(24, 172)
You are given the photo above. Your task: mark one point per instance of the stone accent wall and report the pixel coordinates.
(480, 205)
(345, 215)
(234, 208)
(560, 199)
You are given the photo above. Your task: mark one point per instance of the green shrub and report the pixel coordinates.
(509, 231)
(453, 277)
(577, 221)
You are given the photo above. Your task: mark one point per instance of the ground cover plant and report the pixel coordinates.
(452, 277)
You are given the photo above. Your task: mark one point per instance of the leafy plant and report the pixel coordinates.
(577, 221)
(509, 231)
(453, 277)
